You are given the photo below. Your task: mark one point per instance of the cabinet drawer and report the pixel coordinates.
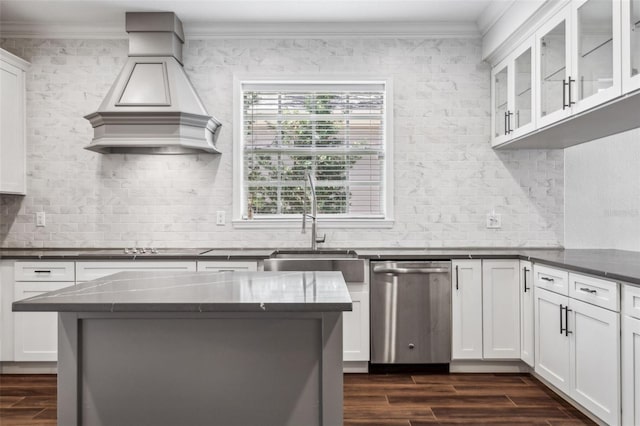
(631, 300)
(552, 279)
(87, 271)
(44, 271)
(221, 266)
(595, 291)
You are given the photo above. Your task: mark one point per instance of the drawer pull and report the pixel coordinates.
(547, 279)
(42, 272)
(588, 290)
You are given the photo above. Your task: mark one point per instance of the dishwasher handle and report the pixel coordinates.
(397, 271)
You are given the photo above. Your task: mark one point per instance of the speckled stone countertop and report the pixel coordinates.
(613, 264)
(199, 292)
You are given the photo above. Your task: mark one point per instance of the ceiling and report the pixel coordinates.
(108, 15)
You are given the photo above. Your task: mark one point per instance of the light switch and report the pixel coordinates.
(220, 217)
(41, 219)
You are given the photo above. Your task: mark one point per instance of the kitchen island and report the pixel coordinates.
(229, 348)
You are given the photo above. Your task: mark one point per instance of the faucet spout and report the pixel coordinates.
(314, 213)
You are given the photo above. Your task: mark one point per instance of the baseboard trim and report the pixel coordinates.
(569, 399)
(480, 366)
(8, 367)
(355, 366)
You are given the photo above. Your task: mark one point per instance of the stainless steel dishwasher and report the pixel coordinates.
(411, 312)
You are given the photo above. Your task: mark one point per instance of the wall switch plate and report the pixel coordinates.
(41, 219)
(220, 217)
(494, 220)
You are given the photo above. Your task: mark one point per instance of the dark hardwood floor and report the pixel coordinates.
(381, 400)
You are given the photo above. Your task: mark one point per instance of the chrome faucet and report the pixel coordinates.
(314, 213)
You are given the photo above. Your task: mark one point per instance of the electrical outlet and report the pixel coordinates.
(41, 219)
(494, 220)
(220, 217)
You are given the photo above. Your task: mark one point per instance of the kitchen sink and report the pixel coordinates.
(345, 261)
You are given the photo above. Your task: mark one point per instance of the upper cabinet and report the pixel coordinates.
(584, 68)
(513, 101)
(12, 124)
(630, 45)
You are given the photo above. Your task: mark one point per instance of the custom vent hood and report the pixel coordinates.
(152, 108)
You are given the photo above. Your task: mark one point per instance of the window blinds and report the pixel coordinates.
(334, 131)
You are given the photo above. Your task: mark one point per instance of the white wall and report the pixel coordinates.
(447, 177)
(602, 193)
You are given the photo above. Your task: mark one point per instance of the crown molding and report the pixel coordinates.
(492, 14)
(253, 30)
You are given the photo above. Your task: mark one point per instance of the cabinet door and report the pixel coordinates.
(596, 52)
(527, 337)
(222, 266)
(552, 343)
(630, 45)
(595, 359)
(467, 309)
(523, 119)
(355, 326)
(630, 371)
(12, 130)
(553, 48)
(501, 309)
(500, 85)
(36, 333)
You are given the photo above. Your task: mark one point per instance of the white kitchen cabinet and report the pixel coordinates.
(36, 333)
(577, 346)
(6, 316)
(594, 335)
(501, 309)
(87, 271)
(222, 266)
(630, 45)
(355, 325)
(527, 305)
(631, 355)
(552, 360)
(512, 95)
(466, 309)
(12, 124)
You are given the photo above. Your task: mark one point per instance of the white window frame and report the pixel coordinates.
(239, 217)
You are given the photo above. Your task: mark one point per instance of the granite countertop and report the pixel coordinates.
(199, 292)
(613, 264)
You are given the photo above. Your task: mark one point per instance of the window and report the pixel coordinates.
(335, 131)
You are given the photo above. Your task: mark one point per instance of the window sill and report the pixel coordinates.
(322, 223)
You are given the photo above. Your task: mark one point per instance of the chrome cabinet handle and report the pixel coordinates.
(42, 272)
(588, 290)
(547, 279)
(525, 280)
(388, 270)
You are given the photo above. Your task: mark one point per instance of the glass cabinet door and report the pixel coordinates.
(595, 50)
(631, 45)
(501, 103)
(523, 91)
(554, 56)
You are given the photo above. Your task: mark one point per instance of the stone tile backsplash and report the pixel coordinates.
(447, 177)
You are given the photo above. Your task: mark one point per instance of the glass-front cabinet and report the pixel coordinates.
(630, 45)
(596, 53)
(513, 101)
(554, 68)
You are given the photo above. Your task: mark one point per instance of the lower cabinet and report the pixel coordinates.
(631, 356)
(527, 302)
(466, 309)
(500, 309)
(35, 333)
(87, 271)
(355, 325)
(578, 351)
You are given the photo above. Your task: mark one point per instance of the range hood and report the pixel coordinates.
(152, 108)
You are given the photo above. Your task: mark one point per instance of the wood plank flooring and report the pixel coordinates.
(374, 400)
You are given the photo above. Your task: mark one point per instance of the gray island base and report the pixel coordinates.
(237, 348)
